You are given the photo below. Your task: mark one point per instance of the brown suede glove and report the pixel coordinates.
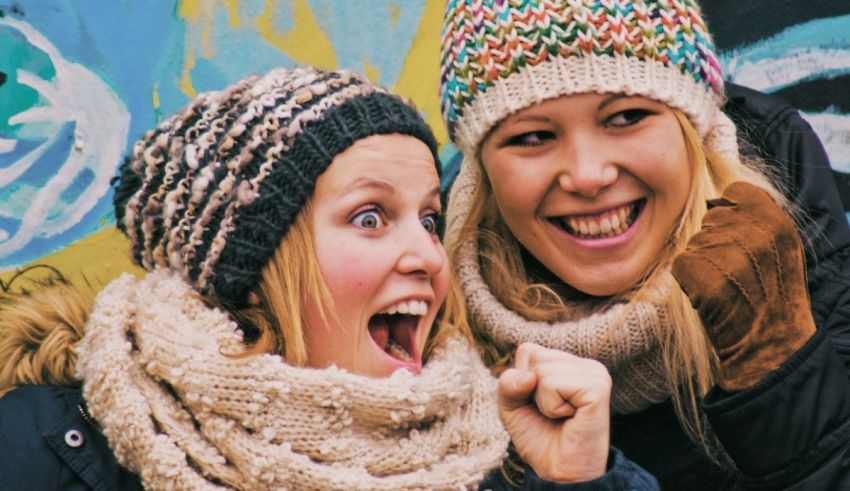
(744, 273)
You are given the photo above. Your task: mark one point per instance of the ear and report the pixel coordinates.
(253, 299)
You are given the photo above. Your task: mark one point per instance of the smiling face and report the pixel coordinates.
(374, 222)
(592, 185)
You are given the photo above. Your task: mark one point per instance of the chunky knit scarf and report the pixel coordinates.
(163, 376)
(622, 337)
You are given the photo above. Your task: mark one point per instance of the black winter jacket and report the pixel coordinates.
(49, 442)
(792, 430)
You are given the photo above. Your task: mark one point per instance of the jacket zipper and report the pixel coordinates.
(87, 417)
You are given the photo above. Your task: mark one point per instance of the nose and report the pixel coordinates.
(422, 253)
(587, 168)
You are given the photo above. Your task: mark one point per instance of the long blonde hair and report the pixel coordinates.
(39, 330)
(689, 360)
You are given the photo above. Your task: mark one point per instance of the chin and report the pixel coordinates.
(613, 286)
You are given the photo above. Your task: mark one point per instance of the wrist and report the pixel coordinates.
(575, 469)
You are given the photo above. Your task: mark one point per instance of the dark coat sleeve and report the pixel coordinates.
(774, 131)
(792, 430)
(622, 474)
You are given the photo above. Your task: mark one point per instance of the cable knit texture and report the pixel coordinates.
(622, 338)
(184, 411)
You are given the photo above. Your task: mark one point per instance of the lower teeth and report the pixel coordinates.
(398, 352)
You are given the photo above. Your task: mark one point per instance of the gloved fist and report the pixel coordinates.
(744, 273)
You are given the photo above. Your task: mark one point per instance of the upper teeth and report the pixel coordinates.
(610, 223)
(410, 307)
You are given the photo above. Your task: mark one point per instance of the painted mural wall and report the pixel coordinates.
(80, 80)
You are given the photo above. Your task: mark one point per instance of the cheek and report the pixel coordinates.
(666, 170)
(346, 276)
(441, 280)
(516, 193)
(347, 269)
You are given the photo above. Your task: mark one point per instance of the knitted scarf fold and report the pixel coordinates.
(622, 337)
(181, 408)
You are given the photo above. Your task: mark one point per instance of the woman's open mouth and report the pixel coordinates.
(394, 329)
(609, 223)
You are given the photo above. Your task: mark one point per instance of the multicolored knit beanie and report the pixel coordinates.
(500, 56)
(212, 190)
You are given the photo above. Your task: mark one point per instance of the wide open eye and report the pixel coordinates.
(368, 219)
(429, 223)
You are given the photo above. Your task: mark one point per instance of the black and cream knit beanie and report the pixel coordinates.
(212, 190)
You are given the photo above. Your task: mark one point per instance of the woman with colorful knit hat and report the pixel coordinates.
(298, 327)
(603, 209)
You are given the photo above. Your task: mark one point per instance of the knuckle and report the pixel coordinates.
(596, 367)
(525, 349)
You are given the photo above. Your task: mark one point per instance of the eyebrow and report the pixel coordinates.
(369, 183)
(364, 182)
(610, 99)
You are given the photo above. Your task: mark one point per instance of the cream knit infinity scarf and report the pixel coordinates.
(621, 337)
(183, 413)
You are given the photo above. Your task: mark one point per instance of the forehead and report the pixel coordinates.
(393, 158)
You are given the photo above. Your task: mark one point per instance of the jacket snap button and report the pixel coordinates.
(74, 438)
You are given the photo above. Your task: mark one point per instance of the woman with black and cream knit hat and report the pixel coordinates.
(298, 327)
(602, 209)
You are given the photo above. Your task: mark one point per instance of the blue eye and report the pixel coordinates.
(429, 223)
(368, 219)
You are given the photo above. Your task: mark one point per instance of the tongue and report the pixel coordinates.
(393, 334)
(401, 331)
(379, 329)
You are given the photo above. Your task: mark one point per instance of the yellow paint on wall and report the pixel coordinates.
(232, 13)
(395, 13)
(420, 75)
(155, 97)
(370, 71)
(186, 85)
(89, 263)
(305, 42)
(200, 16)
(189, 9)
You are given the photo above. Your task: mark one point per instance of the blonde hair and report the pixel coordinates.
(690, 361)
(292, 280)
(39, 330)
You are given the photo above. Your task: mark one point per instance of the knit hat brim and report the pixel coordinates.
(557, 77)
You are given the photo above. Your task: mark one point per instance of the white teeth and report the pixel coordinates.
(608, 224)
(409, 307)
